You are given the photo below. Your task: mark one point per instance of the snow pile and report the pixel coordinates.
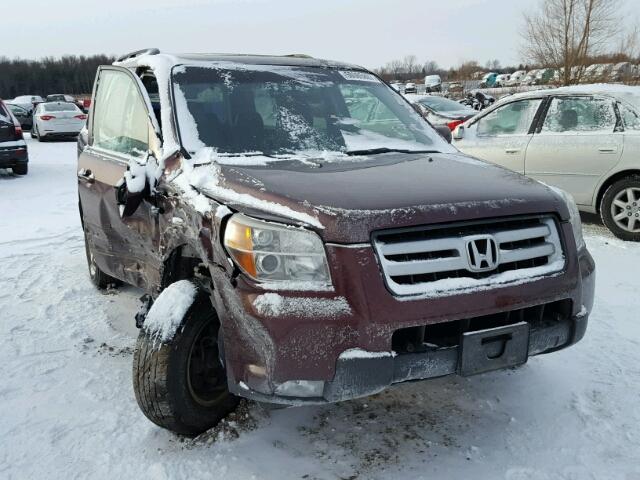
(168, 311)
(276, 305)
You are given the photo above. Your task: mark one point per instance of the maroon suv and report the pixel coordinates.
(304, 237)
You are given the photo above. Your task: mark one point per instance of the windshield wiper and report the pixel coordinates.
(375, 151)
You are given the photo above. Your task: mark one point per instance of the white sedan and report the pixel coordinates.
(57, 119)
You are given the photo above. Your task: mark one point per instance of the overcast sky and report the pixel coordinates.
(366, 32)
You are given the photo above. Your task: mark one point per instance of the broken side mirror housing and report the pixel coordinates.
(444, 131)
(128, 201)
(133, 187)
(458, 133)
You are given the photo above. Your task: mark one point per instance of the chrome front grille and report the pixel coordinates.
(467, 255)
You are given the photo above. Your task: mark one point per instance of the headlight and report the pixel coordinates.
(270, 252)
(574, 216)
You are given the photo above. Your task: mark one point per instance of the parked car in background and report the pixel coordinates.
(584, 139)
(477, 100)
(441, 111)
(621, 71)
(13, 149)
(27, 102)
(454, 88)
(398, 87)
(515, 78)
(501, 80)
(410, 88)
(530, 77)
(433, 83)
(60, 97)
(24, 116)
(488, 80)
(273, 279)
(57, 120)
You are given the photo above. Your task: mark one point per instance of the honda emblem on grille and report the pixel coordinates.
(482, 253)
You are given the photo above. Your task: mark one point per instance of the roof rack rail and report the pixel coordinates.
(298, 55)
(137, 53)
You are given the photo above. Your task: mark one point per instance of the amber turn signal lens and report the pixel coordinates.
(239, 242)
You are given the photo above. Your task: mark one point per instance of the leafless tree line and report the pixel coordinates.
(566, 34)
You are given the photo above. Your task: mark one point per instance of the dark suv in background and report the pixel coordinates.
(305, 237)
(13, 149)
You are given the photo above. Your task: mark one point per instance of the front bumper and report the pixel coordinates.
(360, 374)
(306, 344)
(12, 156)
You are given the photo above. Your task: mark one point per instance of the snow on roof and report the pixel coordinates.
(249, 59)
(628, 93)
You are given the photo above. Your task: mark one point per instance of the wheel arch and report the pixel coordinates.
(610, 181)
(180, 264)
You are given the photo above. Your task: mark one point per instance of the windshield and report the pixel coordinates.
(441, 104)
(286, 110)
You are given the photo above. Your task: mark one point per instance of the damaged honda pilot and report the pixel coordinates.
(304, 236)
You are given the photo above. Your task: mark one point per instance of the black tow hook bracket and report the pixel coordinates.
(147, 301)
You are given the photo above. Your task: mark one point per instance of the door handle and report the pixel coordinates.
(86, 175)
(512, 150)
(607, 149)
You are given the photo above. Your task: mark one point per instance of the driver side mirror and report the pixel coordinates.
(458, 133)
(132, 189)
(129, 200)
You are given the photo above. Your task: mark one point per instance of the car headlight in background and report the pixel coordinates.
(270, 252)
(574, 216)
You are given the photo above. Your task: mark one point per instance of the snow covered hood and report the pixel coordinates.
(345, 201)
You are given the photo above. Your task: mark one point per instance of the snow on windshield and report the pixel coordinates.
(276, 110)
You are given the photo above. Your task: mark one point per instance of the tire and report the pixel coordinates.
(100, 279)
(168, 390)
(33, 132)
(622, 197)
(21, 169)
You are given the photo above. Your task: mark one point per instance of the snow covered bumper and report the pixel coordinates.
(13, 155)
(297, 348)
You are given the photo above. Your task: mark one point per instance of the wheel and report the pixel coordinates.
(181, 384)
(620, 208)
(21, 169)
(100, 279)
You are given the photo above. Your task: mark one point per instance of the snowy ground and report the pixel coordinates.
(68, 409)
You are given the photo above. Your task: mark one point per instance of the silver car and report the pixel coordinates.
(584, 139)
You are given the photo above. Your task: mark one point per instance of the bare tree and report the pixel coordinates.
(430, 67)
(563, 33)
(493, 64)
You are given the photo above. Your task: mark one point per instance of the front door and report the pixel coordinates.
(502, 135)
(576, 145)
(119, 130)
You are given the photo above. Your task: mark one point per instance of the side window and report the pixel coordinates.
(579, 114)
(371, 114)
(266, 107)
(512, 119)
(630, 118)
(120, 119)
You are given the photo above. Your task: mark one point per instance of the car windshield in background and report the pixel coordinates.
(56, 98)
(286, 110)
(60, 107)
(441, 104)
